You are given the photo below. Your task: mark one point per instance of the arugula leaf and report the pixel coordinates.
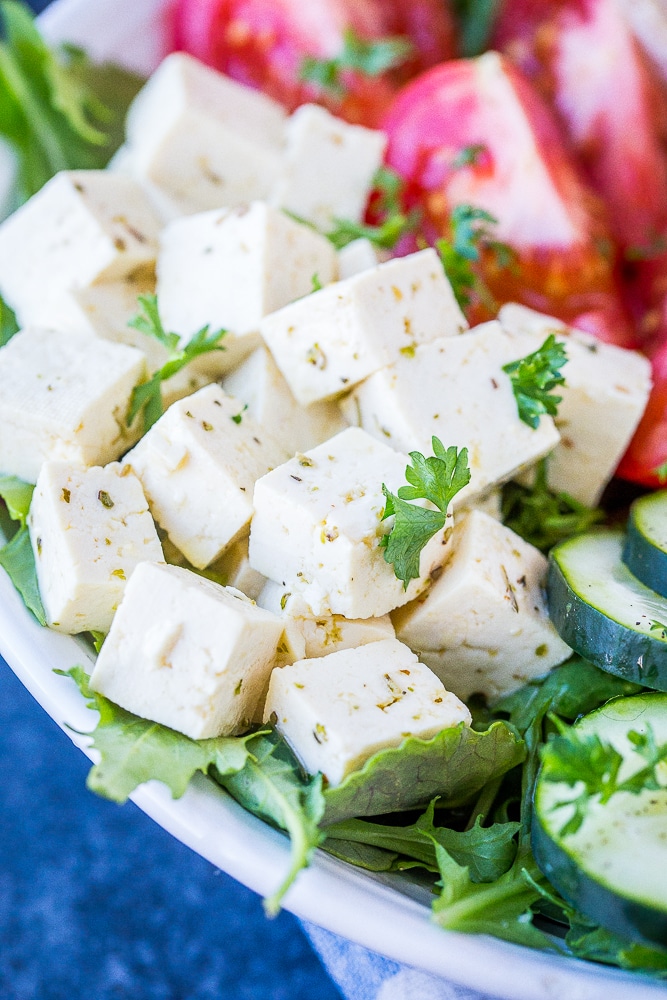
(133, 750)
(270, 786)
(17, 495)
(8, 323)
(369, 57)
(454, 765)
(437, 479)
(535, 377)
(147, 397)
(50, 111)
(471, 235)
(543, 517)
(476, 19)
(18, 561)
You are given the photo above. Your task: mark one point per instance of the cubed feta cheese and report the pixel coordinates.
(359, 255)
(606, 390)
(198, 465)
(326, 343)
(318, 523)
(202, 139)
(328, 167)
(89, 529)
(483, 626)
(64, 396)
(338, 710)
(230, 267)
(235, 570)
(84, 226)
(455, 388)
(187, 653)
(257, 381)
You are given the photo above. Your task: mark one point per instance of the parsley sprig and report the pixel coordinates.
(476, 19)
(535, 377)
(388, 188)
(471, 235)
(592, 766)
(438, 479)
(147, 397)
(369, 57)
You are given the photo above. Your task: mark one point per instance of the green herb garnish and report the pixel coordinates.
(388, 188)
(534, 379)
(471, 234)
(370, 57)
(8, 323)
(476, 19)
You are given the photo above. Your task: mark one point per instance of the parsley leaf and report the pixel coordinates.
(476, 19)
(469, 156)
(370, 57)
(147, 397)
(388, 193)
(543, 517)
(535, 377)
(471, 235)
(50, 109)
(437, 479)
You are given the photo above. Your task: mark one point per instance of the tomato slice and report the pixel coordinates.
(262, 43)
(647, 451)
(522, 175)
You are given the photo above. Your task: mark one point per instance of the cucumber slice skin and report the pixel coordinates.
(588, 890)
(644, 556)
(634, 656)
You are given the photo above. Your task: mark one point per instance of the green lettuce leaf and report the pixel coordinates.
(133, 750)
(8, 323)
(271, 786)
(17, 495)
(373, 859)
(454, 765)
(18, 561)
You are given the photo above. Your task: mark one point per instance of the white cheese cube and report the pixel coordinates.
(89, 529)
(257, 381)
(187, 653)
(235, 570)
(484, 626)
(203, 140)
(606, 390)
(230, 267)
(326, 343)
(455, 388)
(359, 255)
(327, 168)
(338, 710)
(100, 228)
(318, 523)
(198, 465)
(64, 396)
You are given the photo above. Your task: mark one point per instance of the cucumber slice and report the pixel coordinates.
(614, 867)
(604, 613)
(645, 551)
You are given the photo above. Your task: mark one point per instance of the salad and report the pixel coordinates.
(443, 793)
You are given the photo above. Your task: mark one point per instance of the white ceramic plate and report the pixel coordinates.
(365, 908)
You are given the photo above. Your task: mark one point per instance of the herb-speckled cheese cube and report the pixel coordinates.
(338, 710)
(455, 388)
(359, 255)
(330, 340)
(257, 381)
(318, 523)
(483, 626)
(187, 653)
(202, 139)
(100, 227)
(64, 396)
(198, 465)
(606, 390)
(327, 168)
(89, 528)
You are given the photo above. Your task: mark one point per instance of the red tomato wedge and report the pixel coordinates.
(263, 43)
(647, 451)
(523, 176)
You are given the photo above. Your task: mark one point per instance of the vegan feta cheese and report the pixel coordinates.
(359, 255)
(202, 140)
(327, 168)
(318, 523)
(455, 388)
(187, 653)
(483, 626)
(326, 343)
(338, 710)
(83, 227)
(229, 268)
(64, 396)
(604, 396)
(198, 465)
(89, 529)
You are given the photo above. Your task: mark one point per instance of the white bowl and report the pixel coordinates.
(375, 911)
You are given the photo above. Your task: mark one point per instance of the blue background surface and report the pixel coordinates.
(99, 903)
